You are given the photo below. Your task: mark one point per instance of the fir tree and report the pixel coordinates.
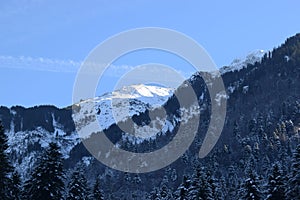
(205, 190)
(251, 189)
(194, 189)
(182, 191)
(276, 184)
(97, 192)
(200, 187)
(16, 187)
(46, 181)
(154, 194)
(5, 166)
(164, 193)
(214, 185)
(293, 191)
(78, 187)
(232, 182)
(136, 179)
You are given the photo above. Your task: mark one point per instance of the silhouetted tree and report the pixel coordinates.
(16, 192)
(5, 166)
(276, 187)
(182, 191)
(47, 179)
(251, 188)
(97, 193)
(78, 187)
(293, 191)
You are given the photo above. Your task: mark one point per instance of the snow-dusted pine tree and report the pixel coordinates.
(182, 191)
(293, 191)
(164, 193)
(97, 193)
(154, 194)
(78, 187)
(16, 187)
(46, 181)
(251, 188)
(5, 166)
(215, 186)
(275, 185)
(205, 190)
(194, 189)
(232, 182)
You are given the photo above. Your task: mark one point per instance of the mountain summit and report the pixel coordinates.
(239, 63)
(121, 104)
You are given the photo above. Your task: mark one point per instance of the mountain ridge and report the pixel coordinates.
(262, 124)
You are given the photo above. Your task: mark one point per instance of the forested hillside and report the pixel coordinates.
(256, 157)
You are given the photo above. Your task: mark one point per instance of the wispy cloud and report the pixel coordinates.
(72, 66)
(55, 65)
(40, 63)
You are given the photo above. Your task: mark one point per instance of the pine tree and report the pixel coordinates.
(78, 187)
(214, 185)
(205, 190)
(251, 188)
(16, 187)
(164, 193)
(232, 182)
(154, 194)
(46, 181)
(200, 187)
(276, 184)
(97, 192)
(5, 166)
(137, 179)
(293, 191)
(194, 189)
(182, 191)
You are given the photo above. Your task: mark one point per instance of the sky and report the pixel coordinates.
(43, 43)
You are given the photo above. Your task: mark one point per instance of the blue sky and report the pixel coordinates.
(43, 42)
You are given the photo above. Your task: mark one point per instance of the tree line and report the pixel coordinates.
(49, 179)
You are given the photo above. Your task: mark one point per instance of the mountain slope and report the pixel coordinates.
(30, 130)
(262, 126)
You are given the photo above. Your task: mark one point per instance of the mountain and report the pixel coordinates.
(240, 63)
(262, 127)
(126, 102)
(30, 130)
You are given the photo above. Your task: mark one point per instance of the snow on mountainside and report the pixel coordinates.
(127, 101)
(25, 144)
(240, 63)
(119, 105)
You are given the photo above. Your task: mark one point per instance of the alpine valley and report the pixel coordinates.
(256, 157)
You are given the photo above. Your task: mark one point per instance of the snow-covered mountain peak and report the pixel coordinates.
(136, 92)
(119, 105)
(239, 63)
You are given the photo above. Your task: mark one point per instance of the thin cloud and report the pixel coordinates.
(67, 66)
(57, 65)
(40, 64)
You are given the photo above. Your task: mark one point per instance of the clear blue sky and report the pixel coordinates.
(42, 42)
